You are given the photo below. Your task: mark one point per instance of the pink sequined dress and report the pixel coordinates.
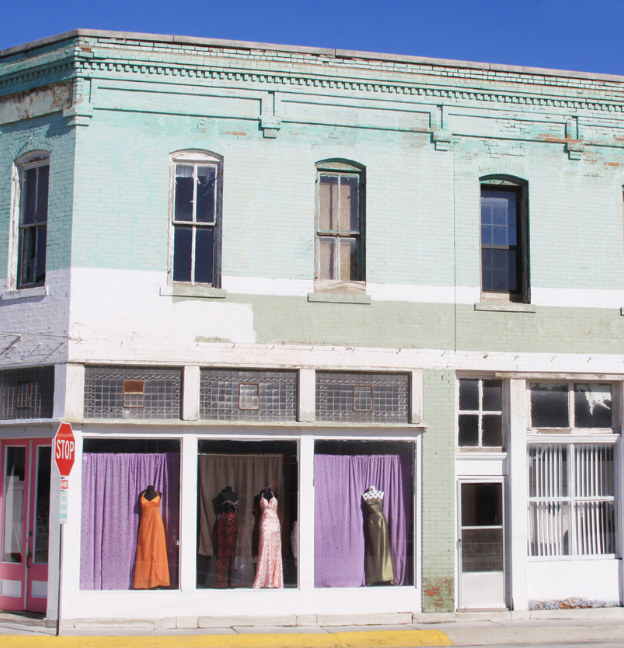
(269, 572)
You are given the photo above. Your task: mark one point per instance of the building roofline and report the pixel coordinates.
(334, 53)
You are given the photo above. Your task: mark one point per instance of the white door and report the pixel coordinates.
(482, 546)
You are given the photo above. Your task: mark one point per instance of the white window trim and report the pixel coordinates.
(28, 161)
(193, 156)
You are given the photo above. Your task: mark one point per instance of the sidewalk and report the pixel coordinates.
(598, 627)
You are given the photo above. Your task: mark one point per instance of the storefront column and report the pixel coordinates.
(619, 477)
(518, 491)
(188, 513)
(306, 512)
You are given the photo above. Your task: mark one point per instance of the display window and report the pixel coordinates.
(363, 513)
(130, 514)
(247, 514)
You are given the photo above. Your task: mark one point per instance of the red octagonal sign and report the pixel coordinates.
(64, 449)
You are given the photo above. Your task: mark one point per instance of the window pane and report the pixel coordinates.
(328, 203)
(27, 258)
(327, 268)
(594, 471)
(492, 396)
(13, 527)
(548, 529)
(492, 434)
(206, 182)
(40, 259)
(482, 550)
(349, 205)
(499, 270)
(349, 270)
(184, 193)
(548, 471)
(468, 430)
(29, 214)
(481, 505)
(592, 406)
(42, 505)
(204, 255)
(468, 394)
(42, 194)
(182, 246)
(549, 405)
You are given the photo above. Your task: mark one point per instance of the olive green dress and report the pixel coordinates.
(378, 559)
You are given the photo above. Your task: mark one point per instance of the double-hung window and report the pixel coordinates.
(340, 224)
(195, 218)
(34, 174)
(504, 253)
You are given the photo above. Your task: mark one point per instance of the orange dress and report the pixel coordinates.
(152, 566)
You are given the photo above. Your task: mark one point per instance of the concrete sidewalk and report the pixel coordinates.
(595, 627)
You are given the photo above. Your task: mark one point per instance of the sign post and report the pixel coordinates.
(64, 447)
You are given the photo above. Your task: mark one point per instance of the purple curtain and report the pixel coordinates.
(111, 486)
(339, 483)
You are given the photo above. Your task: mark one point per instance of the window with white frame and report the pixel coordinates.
(340, 223)
(29, 235)
(572, 503)
(195, 218)
(569, 405)
(480, 417)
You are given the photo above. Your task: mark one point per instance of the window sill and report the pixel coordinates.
(197, 292)
(25, 293)
(507, 307)
(337, 298)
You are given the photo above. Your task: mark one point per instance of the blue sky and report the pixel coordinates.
(584, 35)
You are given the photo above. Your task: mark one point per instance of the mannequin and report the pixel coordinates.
(269, 571)
(152, 565)
(378, 559)
(227, 535)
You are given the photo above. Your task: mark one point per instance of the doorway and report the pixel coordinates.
(482, 546)
(25, 467)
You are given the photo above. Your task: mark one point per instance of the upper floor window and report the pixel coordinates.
(480, 419)
(340, 223)
(195, 217)
(34, 175)
(504, 250)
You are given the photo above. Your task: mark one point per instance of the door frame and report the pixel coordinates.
(484, 479)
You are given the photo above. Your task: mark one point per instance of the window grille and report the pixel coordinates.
(133, 393)
(362, 397)
(231, 395)
(26, 393)
(572, 504)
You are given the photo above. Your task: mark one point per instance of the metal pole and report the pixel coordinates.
(60, 580)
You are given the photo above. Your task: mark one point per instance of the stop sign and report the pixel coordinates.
(64, 449)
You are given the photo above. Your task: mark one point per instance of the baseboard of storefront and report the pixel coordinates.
(336, 620)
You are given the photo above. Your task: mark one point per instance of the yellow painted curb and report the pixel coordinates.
(364, 639)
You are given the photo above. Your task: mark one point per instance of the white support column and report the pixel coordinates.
(305, 562)
(69, 382)
(307, 395)
(188, 513)
(518, 494)
(618, 397)
(190, 393)
(416, 397)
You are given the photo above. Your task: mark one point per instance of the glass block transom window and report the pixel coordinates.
(231, 395)
(132, 393)
(26, 393)
(362, 397)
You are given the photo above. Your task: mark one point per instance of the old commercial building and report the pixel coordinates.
(314, 271)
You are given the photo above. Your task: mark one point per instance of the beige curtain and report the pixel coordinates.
(247, 475)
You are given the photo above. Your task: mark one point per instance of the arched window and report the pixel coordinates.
(340, 222)
(504, 239)
(195, 208)
(30, 220)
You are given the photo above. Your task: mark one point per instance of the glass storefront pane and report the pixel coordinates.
(14, 492)
(363, 510)
(248, 531)
(42, 504)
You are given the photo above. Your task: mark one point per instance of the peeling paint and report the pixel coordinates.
(33, 103)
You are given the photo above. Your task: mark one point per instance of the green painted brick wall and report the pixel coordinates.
(438, 494)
